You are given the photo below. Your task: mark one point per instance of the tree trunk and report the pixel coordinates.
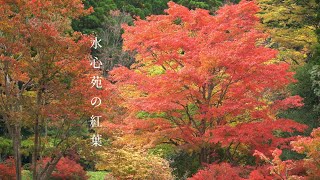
(14, 128)
(47, 171)
(204, 155)
(15, 134)
(35, 153)
(36, 150)
(16, 139)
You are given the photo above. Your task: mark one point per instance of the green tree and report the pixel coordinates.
(93, 23)
(211, 5)
(308, 85)
(142, 8)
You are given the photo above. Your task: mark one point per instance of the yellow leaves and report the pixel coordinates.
(129, 91)
(278, 14)
(128, 158)
(234, 121)
(192, 33)
(133, 163)
(156, 70)
(141, 141)
(309, 145)
(295, 37)
(294, 45)
(32, 94)
(291, 27)
(5, 26)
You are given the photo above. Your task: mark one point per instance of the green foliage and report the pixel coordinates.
(26, 175)
(288, 154)
(305, 114)
(27, 147)
(315, 78)
(163, 150)
(184, 164)
(93, 23)
(211, 5)
(145, 115)
(96, 175)
(308, 87)
(93, 175)
(5, 147)
(142, 8)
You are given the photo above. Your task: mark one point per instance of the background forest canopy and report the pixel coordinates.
(190, 89)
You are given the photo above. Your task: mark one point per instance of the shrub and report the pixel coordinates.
(8, 170)
(67, 169)
(134, 163)
(310, 147)
(223, 171)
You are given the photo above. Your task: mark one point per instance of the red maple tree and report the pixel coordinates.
(205, 80)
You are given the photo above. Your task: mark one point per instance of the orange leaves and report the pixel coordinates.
(276, 171)
(257, 135)
(177, 11)
(223, 171)
(241, 15)
(310, 147)
(68, 8)
(307, 168)
(39, 48)
(212, 72)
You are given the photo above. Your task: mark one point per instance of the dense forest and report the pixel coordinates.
(159, 89)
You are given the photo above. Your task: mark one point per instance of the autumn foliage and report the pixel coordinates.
(205, 80)
(222, 171)
(206, 92)
(310, 147)
(134, 163)
(307, 168)
(7, 170)
(273, 168)
(67, 169)
(45, 75)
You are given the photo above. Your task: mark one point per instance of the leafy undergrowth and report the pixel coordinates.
(96, 175)
(26, 175)
(93, 175)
